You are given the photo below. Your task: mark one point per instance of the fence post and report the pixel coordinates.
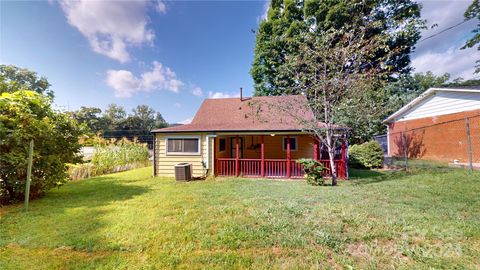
(29, 175)
(405, 153)
(470, 159)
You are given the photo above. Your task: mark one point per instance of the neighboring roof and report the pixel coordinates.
(430, 92)
(249, 114)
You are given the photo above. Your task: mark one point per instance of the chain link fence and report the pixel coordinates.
(428, 143)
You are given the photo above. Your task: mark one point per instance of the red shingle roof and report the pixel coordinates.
(249, 114)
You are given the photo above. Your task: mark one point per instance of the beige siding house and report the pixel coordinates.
(245, 137)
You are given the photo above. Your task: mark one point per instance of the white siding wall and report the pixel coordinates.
(443, 102)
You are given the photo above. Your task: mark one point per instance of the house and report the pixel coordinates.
(249, 137)
(442, 124)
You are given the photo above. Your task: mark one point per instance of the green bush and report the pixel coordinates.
(27, 115)
(313, 171)
(366, 155)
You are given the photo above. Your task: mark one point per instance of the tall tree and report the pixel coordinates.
(91, 117)
(473, 11)
(115, 116)
(333, 67)
(160, 121)
(13, 79)
(144, 117)
(278, 35)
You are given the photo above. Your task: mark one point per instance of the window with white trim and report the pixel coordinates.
(183, 146)
(293, 143)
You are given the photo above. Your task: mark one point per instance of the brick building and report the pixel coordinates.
(442, 124)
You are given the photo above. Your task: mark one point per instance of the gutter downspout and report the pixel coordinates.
(154, 155)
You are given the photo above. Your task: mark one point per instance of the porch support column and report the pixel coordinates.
(262, 166)
(288, 157)
(215, 161)
(315, 148)
(236, 157)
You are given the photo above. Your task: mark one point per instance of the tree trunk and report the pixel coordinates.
(333, 170)
(331, 156)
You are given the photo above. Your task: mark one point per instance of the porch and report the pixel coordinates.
(273, 156)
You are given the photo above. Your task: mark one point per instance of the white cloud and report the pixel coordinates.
(161, 7)
(126, 84)
(177, 105)
(111, 26)
(459, 63)
(264, 15)
(441, 53)
(197, 91)
(186, 121)
(221, 95)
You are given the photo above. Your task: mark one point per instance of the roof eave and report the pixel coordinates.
(223, 130)
(429, 92)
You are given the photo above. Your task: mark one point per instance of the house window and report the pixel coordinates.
(222, 145)
(293, 143)
(183, 146)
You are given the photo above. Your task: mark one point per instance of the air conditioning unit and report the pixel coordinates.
(183, 172)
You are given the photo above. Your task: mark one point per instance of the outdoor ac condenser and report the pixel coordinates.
(183, 172)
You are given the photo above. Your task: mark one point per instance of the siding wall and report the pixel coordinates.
(443, 103)
(273, 150)
(165, 163)
(441, 138)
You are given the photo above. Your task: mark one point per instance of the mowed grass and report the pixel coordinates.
(130, 220)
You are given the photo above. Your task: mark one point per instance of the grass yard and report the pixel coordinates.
(428, 219)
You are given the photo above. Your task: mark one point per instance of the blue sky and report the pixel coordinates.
(171, 55)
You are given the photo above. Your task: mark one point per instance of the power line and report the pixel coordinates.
(445, 30)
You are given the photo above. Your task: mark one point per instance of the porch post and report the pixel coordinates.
(236, 157)
(262, 166)
(315, 148)
(214, 163)
(288, 157)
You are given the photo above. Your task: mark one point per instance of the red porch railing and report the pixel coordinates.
(273, 168)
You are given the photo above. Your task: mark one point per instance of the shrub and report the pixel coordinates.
(26, 115)
(313, 171)
(367, 155)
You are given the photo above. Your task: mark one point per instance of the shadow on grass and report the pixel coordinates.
(72, 216)
(362, 177)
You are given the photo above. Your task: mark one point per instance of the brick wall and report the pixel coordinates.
(442, 138)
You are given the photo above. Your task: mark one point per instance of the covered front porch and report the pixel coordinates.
(272, 155)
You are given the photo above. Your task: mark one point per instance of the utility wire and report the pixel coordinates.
(445, 30)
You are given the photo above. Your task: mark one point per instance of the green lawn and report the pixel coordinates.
(427, 219)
